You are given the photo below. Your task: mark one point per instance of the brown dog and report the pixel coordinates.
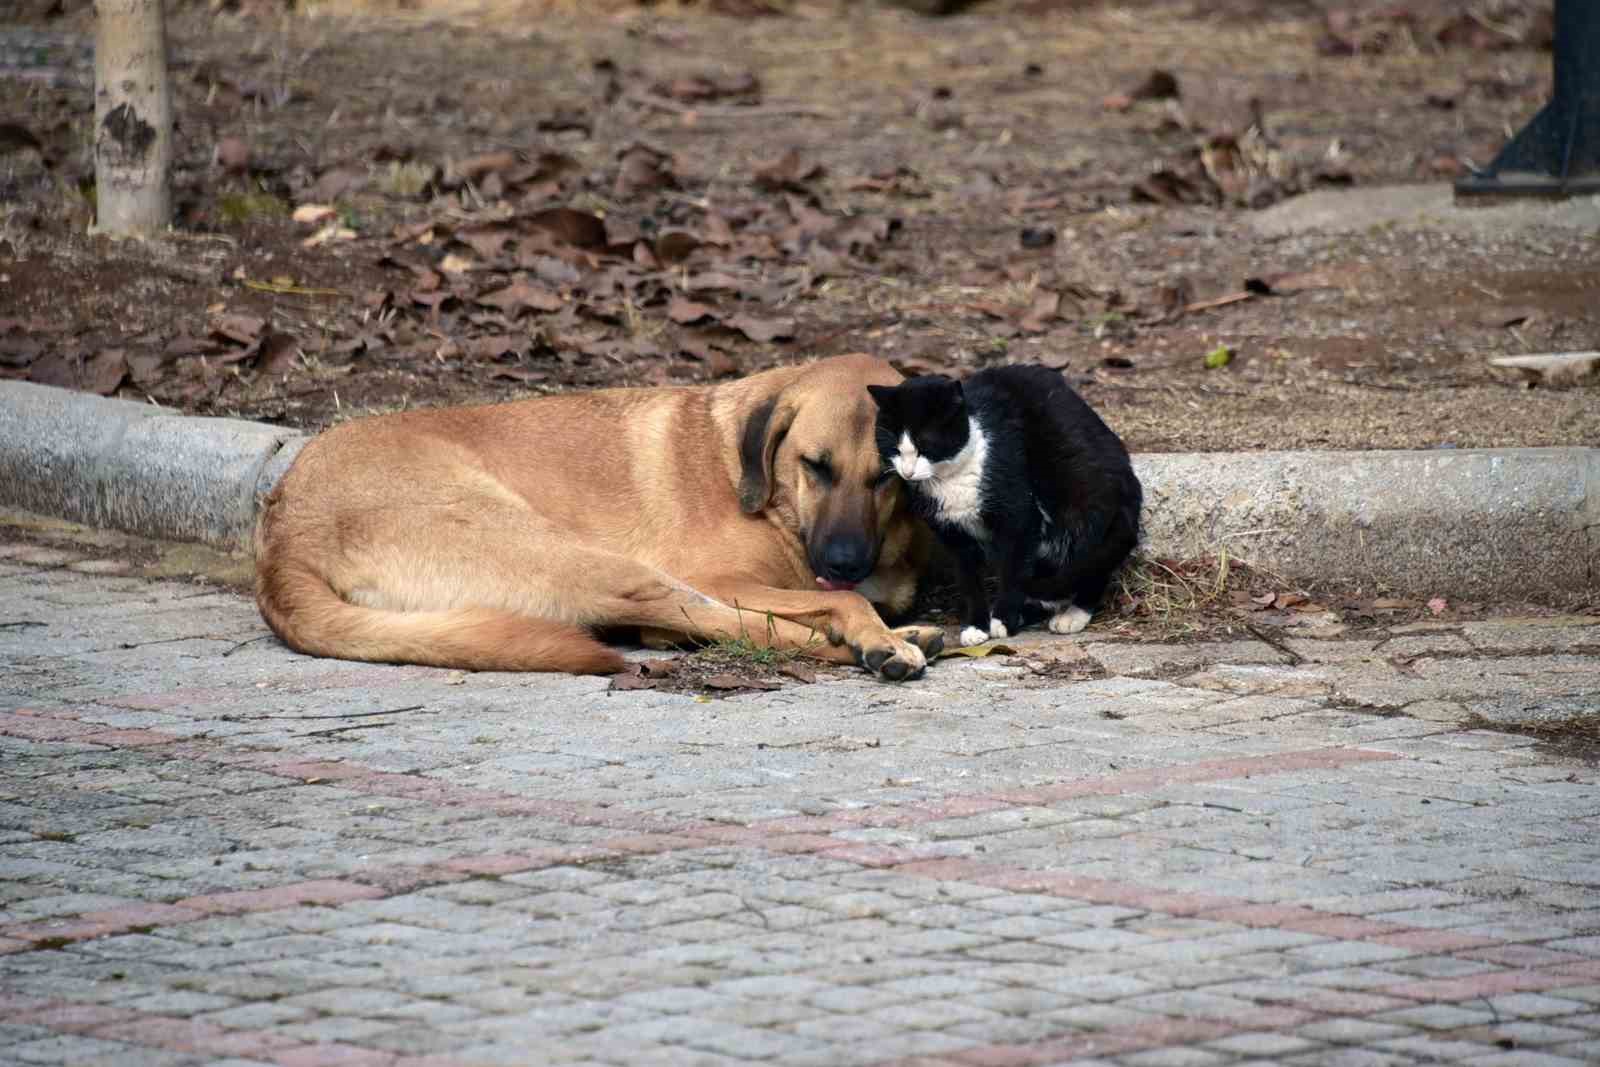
(492, 538)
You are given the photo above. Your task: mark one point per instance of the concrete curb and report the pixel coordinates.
(1514, 523)
(133, 467)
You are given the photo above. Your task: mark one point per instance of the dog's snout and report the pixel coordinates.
(846, 559)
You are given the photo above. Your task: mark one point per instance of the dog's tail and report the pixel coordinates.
(309, 616)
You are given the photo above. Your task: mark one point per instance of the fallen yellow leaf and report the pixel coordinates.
(989, 648)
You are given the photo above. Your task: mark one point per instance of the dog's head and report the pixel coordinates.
(807, 452)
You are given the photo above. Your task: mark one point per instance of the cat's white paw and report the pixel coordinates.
(997, 629)
(1071, 621)
(971, 635)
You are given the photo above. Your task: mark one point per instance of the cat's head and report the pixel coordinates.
(921, 422)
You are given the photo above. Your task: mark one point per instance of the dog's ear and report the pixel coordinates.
(881, 394)
(763, 431)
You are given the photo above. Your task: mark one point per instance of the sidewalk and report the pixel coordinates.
(214, 851)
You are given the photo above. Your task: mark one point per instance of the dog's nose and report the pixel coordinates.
(846, 559)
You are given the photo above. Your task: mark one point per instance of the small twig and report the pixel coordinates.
(248, 641)
(291, 290)
(341, 729)
(21, 624)
(1293, 658)
(755, 111)
(348, 715)
(1217, 302)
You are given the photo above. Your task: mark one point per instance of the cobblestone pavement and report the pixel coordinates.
(214, 851)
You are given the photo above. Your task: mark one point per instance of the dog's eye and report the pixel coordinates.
(821, 469)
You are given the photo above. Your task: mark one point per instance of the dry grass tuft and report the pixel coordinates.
(1181, 597)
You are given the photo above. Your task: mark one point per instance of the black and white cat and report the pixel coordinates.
(1013, 468)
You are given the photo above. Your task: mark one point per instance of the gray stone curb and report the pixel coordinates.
(1515, 523)
(136, 468)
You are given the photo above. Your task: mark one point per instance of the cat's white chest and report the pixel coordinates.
(956, 485)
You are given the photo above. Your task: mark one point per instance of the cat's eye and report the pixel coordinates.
(820, 468)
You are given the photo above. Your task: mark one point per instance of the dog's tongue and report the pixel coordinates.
(835, 587)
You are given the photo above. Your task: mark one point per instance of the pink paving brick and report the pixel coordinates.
(174, 698)
(1004, 1056)
(160, 1031)
(323, 770)
(960, 807)
(1260, 915)
(71, 1018)
(60, 930)
(332, 1055)
(1474, 986)
(531, 860)
(39, 728)
(945, 870)
(401, 879)
(133, 916)
(247, 1044)
(15, 1003)
(1434, 940)
(651, 844)
(1184, 903)
(322, 891)
(806, 824)
(797, 843)
(1343, 927)
(755, 836)
(129, 738)
(1272, 1017)
(1164, 1033)
(868, 855)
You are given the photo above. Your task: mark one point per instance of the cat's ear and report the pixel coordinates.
(881, 394)
(764, 429)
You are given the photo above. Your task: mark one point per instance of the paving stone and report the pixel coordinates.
(1354, 1031)
(1175, 1057)
(1436, 1017)
(926, 914)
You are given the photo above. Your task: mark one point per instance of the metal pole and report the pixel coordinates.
(1558, 153)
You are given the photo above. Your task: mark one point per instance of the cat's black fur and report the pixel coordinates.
(1057, 497)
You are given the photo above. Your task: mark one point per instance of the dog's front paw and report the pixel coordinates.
(1071, 621)
(928, 638)
(898, 661)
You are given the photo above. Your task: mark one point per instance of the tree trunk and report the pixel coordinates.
(132, 118)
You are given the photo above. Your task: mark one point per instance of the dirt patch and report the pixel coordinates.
(1574, 737)
(947, 192)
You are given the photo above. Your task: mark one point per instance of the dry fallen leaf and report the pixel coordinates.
(331, 232)
(684, 311)
(278, 352)
(762, 330)
(992, 648)
(733, 681)
(788, 171)
(520, 296)
(799, 672)
(632, 678)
